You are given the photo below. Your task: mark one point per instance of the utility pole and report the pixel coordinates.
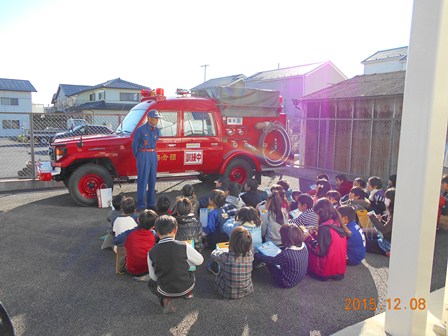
(205, 70)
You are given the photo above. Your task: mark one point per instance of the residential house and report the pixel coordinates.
(233, 80)
(388, 60)
(15, 106)
(105, 103)
(296, 82)
(353, 127)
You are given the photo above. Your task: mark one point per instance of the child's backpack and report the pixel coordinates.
(363, 218)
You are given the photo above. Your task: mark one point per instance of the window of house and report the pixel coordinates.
(10, 124)
(102, 95)
(9, 101)
(129, 96)
(199, 124)
(92, 97)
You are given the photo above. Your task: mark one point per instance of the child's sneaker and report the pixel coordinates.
(189, 295)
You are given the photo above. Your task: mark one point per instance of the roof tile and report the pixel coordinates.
(382, 84)
(16, 85)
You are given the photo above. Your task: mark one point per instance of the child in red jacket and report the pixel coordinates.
(139, 242)
(328, 247)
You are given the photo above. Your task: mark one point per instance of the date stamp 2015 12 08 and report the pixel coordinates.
(391, 304)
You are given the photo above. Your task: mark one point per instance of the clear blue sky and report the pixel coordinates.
(164, 43)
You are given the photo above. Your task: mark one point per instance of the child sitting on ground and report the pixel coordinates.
(248, 218)
(216, 218)
(163, 206)
(376, 195)
(188, 227)
(252, 195)
(357, 199)
(295, 195)
(322, 187)
(307, 217)
(356, 242)
(116, 211)
(328, 246)
(273, 219)
(138, 242)
(334, 197)
(343, 185)
(234, 279)
(111, 216)
(360, 182)
(168, 264)
(233, 201)
(290, 266)
(125, 221)
(187, 192)
(288, 191)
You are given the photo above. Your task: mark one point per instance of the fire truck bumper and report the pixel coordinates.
(45, 170)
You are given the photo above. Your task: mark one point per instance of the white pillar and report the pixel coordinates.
(420, 161)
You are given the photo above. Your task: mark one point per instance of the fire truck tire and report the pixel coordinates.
(285, 143)
(239, 171)
(85, 181)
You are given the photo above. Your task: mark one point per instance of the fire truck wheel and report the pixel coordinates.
(239, 171)
(85, 181)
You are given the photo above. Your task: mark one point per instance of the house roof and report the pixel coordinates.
(381, 84)
(117, 83)
(70, 89)
(221, 81)
(395, 53)
(16, 85)
(101, 105)
(299, 70)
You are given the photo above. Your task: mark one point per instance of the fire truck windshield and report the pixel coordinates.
(131, 120)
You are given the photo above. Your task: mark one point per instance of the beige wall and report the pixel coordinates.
(322, 78)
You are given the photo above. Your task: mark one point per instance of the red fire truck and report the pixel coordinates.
(235, 132)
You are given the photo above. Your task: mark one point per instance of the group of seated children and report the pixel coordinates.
(321, 241)
(328, 225)
(132, 234)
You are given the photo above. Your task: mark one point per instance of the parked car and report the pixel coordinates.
(83, 130)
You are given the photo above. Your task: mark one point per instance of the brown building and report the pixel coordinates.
(353, 127)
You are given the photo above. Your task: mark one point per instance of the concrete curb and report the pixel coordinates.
(28, 184)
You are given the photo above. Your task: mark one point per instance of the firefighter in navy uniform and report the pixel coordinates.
(144, 149)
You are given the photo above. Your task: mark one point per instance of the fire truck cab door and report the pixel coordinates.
(201, 145)
(169, 151)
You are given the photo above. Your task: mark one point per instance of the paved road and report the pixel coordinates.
(15, 156)
(55, 280)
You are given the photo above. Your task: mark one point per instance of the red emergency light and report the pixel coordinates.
(157, 94)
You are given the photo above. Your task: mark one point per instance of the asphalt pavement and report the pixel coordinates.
(55, 280)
